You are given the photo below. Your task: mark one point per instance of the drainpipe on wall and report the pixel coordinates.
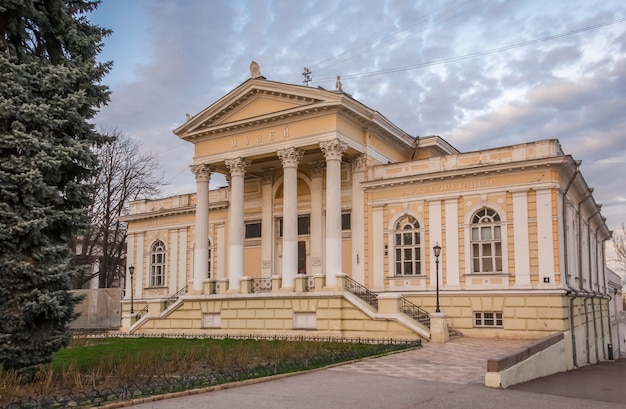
(581, 280)
(571, 292)
(594, 293)
(605, 295)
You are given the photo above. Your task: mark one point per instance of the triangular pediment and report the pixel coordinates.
(260, 106)
(256, 100)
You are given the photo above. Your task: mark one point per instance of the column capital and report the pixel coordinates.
(359, 163)
(333, 150)
(237, 166)
(290, 157)
(317, 168)
(267, 176)
(202, 172)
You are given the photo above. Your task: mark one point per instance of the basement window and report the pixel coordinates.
(211, 320)
(304, 320)
(488, 319)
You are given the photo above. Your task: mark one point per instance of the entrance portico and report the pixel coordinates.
(322, 248)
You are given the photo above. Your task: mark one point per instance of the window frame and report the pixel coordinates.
(158, 264)
(481, 318)
(301, 219)
(486, 242)
(412, 248)
(248, 232)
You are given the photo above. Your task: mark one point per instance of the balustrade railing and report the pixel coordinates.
(415, 312)
(172, 299)
(262, 285)
(362, 292)
(141, 313)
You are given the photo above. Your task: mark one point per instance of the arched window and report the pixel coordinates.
(157, 264)
(407, 246)
(486, 242)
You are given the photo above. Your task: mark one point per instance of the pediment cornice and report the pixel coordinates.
(290, 102)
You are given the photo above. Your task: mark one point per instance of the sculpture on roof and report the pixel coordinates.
(338, 84)
(255, 70)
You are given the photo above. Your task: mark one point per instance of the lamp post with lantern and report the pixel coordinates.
(131, 270)
(437, 251)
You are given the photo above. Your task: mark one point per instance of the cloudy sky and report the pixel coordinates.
(479, 73)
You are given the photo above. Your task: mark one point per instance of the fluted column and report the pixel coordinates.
(290, 159)
(237, 167)
(201, 249)
(333, 150)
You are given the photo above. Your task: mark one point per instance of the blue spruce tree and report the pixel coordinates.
(50, 87)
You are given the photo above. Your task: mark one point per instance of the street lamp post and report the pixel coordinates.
(131, 270)
(437, 251)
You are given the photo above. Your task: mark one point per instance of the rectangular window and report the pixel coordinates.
(253, 230)
(488, 319)
(304, 226)
(346, 223)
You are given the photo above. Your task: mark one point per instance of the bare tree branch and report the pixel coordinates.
(124, 174)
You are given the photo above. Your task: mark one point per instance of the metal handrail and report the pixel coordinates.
(362, 292)
(415, 312)
(261, 285)
(172, 299)
(141, 313)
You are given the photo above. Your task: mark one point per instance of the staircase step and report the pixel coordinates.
(454, 334)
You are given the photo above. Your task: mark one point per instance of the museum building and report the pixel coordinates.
(335, 222)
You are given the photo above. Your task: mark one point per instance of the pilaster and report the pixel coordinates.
(357, 216)
(267, 241)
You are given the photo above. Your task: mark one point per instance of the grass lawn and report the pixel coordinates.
(98, 370)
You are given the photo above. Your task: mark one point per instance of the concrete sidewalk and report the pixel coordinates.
(447, 375)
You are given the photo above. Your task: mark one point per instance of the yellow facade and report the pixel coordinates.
(521, 244)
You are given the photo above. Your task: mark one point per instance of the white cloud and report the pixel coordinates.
(180, 57)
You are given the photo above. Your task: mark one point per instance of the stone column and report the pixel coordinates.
(290, 158)
(333, 150)
(267, 241)
(237, 167)
(201, 249)
(317, 221)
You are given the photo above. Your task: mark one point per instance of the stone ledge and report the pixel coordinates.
(503, 362)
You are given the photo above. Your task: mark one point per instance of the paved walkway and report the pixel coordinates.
(460, 361)
(437, 376)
